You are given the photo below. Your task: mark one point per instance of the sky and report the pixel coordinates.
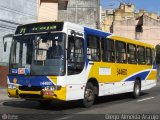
(148, 5)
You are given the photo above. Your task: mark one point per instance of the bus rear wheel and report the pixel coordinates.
(89, 95)
(137, 89)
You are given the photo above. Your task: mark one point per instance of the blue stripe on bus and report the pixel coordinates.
(154, 66)
(142, 75)
(33, 80)
(96, 32)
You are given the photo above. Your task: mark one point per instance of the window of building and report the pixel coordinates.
(93, 48)
(108, 51)
(121, 52)
(132, 58)
(148, 56)
(141, 55)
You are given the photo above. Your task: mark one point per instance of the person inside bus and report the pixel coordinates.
(54, 51)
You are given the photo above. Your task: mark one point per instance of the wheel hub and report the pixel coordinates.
(89, 95)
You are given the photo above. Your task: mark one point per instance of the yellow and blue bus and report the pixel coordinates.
(65, 61)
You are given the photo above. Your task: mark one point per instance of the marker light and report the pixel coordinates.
(11, 86)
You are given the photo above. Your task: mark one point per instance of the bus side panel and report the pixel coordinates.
(114, 78)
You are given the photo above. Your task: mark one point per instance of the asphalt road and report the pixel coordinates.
(115, 107)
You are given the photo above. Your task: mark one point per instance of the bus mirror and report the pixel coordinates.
(5, 43)
(73, 33)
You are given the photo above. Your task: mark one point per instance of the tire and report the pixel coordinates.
(89, 95)
(137, 89)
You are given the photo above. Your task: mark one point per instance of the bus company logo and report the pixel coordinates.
(15, 80)
(21, 70)
(14, 70)
(4, 116)
(45, 83)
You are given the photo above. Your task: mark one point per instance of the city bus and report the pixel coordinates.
(66, 61)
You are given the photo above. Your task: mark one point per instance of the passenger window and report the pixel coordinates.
(141, 55)
(132, 58)
(121, 52)
(108, 50)
(75, 55)
(148, 56)
(93, 49)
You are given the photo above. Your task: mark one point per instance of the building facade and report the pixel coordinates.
(84, 12)
(48, 9)
(13, 13)
(124, 21)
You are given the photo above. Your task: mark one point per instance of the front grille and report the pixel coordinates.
(32, 88)
(30, 96)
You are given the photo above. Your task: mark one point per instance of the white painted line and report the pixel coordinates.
(145, 99)
(65, 118)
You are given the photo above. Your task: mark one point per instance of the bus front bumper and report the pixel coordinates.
(38, 95)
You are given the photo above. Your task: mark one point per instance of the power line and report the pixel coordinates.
(20, 13)
(121, 1)
(15, 23)
(8, 27)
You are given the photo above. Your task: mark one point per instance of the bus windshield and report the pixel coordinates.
(38, 54)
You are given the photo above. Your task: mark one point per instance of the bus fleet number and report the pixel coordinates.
(121, 71)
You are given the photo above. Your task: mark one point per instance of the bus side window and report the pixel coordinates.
(148, 56)
(121, 52)
(93, 48)
(153, 56)
(132, 58)
(141, 55)
(108, 50)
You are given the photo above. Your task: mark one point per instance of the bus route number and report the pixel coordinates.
(121, 71)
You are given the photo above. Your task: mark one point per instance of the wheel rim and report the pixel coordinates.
(137, 90)
(89, 96)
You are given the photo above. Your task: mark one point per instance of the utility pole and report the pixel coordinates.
(98, 14)
(76, 16)
(76, 13)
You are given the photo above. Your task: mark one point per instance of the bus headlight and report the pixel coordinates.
(49, 88)
(11, 86)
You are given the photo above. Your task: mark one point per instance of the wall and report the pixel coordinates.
(48, 10)
(84, 12)
(151, 29)
(125, 21)
(125, 28)
(13, 13)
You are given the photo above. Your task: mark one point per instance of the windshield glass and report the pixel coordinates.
(38, 54)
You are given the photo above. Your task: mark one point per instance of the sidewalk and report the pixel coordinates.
(4, 95)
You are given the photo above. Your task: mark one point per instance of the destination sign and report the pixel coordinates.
(39, 27)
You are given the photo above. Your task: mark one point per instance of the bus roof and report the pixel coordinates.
(132, 41)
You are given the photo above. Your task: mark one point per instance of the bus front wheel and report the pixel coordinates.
(89, 95)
